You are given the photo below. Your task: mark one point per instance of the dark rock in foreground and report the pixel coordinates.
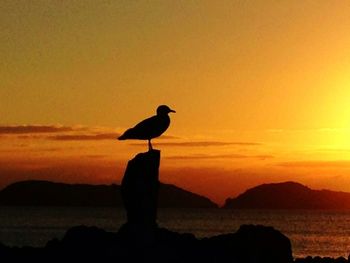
(249, 244)
(321, 260)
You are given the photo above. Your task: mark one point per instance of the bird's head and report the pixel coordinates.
(163, 110)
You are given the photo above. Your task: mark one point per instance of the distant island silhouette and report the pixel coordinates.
(45, 193)
(285, 195)
(288, 195)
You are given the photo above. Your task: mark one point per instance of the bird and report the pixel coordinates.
(150, 128)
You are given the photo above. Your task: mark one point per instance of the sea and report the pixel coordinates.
(314, 233)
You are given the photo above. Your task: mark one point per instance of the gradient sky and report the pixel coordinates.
(261, 90)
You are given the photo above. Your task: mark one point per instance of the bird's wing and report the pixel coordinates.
(143, 130)
(147, 125)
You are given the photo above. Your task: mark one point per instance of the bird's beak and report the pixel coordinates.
(172, 111)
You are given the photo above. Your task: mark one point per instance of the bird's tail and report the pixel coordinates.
(122, 137)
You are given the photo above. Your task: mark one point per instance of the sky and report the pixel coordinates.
(261, 91)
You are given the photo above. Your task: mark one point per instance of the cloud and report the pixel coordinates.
(220, 156)
(31, 150)
(24, 129)
(63, 133)
(203, 144)
(96, 156)
(167, 137)
(316, 164)
(85, 137)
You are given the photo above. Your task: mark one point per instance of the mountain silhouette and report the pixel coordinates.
(288, 195)
(45, 193)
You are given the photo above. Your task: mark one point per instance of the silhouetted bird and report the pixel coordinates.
(151, 127)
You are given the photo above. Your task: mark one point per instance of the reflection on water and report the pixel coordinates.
(324, 233)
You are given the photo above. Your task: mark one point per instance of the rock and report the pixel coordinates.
(318, 259)
(250, 244)
(340, 260)
(139, 188)
(4, 251)
(265, 243)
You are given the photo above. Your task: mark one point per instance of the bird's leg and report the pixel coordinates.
(149, 145)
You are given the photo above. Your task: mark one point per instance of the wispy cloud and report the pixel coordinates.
(219, 156)
(24, 129)
(203, 144)
(31, 150)
(85, 137)
(64, 133)
(58, 133)
(167, 137)
(96, 156)
(316, 164)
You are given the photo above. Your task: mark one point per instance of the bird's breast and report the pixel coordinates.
(164, 123)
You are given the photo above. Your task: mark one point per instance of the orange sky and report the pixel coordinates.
(261, 90)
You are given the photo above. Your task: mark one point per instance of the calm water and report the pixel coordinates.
(324, 233)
